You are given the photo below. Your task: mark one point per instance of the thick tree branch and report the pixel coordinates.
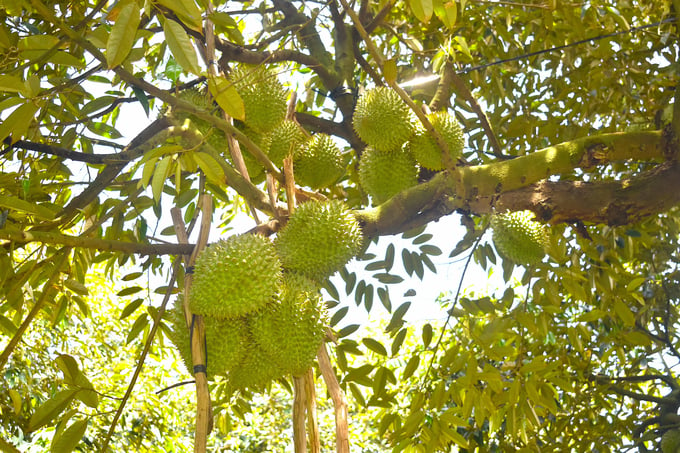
(521, 184)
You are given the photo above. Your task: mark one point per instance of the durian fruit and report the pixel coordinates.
(284, 140)
(264, 98)
(257, 369)
(319, 162)
(519, 237)
(198, 97)
(226, 340)
(319, 238)
(424, 147)
(292, 329)
(383, 120)
(383, 174)
(670, 441)
(235, 276)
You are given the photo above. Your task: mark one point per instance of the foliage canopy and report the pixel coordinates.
(569, 110)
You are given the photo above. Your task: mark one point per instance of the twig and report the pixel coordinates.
(339, 401)
(299, 404)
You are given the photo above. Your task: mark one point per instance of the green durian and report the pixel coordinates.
(670, 441)
(284, 140)
(384, 174)
(255, 371)
(319, 162)
(199, 97)
(293, 328)
(424, 147)
(235, 276)
(519, 237)
(226, 340)
(319, 239)
(264, 98)
(383, 120)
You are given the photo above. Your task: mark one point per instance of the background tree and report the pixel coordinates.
(567, 109)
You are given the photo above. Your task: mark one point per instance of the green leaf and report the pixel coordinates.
(375, 346)
(390, 70)
(427, 335)
(159, 176)
(210, 167)
(398, 317)
(422, 9)
(123, 34)
(430, 250)
(411, 366)
(389, 257)
(129, 291)
(140, 323)
(338, 315)
(67, 440)
(398, 341)
(17, 204)
(624, 313)
(51, 409)
(388, 279)
(76, 286)
(181, 47)
(187, 11)
(142, 98)
(447, 12)
(12, 84)
(227, 97)
(17, 123)
(131, 308)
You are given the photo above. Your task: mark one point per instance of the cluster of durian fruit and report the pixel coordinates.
(260, 299)
(398, 144)
(318, 160)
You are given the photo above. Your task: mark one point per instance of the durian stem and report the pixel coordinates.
(299, 403)
(312, 422)
(195, 323)
(339, 401)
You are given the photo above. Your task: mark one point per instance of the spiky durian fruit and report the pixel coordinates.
(383, 120)
(234, 277)
(319, 238)
(383, 174)
(264, 98)
(198, 97)
(257, 369)
(670, 441)
(319, 162)
(292, 329)
(424, 147)
(226, 340)
(519, 237)
(284, 140)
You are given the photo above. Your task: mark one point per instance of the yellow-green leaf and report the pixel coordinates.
(181, 47)
(159, 177)
(447, 12)
(67, 440)
(50, 409)
(227, 97)
(11, 84)
(187, 11)
(422, 9)
(624, 313)
(123, 34)
(17, 204)
(390, 70)
(17, 402)
(17, 123)
(210, 167)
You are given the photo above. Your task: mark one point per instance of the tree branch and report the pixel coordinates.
(24, 237)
